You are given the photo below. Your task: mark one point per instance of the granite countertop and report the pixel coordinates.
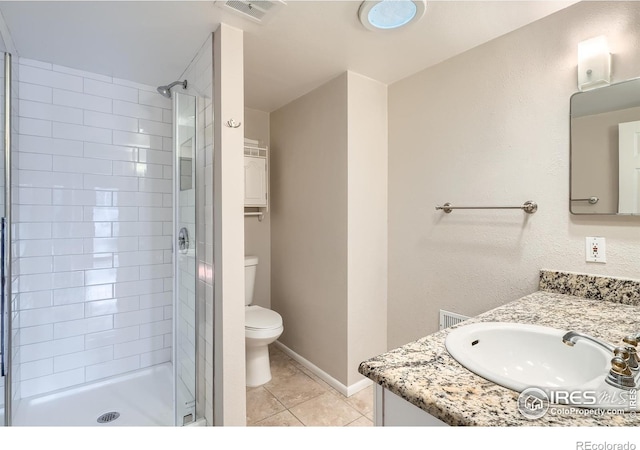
(423, 373)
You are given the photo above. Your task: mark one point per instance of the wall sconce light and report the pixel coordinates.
(594, 63)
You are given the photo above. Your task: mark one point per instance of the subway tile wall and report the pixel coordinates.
(92, 227)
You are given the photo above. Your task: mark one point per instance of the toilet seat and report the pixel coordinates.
(259, 318)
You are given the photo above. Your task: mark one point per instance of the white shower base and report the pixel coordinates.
(143, 398)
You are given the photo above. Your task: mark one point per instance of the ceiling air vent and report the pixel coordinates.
(259, 11)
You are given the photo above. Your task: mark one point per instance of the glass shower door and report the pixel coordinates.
(185, 257)
(6, 298)
(3, 322)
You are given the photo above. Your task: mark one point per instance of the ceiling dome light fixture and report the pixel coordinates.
(390, 14)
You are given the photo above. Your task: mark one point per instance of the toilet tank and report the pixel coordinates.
(250, 266)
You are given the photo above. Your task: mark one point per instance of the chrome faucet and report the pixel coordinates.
(623, 364)
(574, 336)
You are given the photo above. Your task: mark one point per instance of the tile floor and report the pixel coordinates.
(297, 397)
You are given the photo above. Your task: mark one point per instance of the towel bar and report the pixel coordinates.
(529, 207)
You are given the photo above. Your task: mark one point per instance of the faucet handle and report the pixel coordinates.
(633, 362)
(619, 366)
(623, 353)
(629, 354)
(620, 375)
(632, 339)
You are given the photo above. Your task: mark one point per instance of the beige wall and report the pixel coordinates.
(329, 224)
(228, 251)
(491, 126)
(257, 235)
(309, 225)
(367, 221)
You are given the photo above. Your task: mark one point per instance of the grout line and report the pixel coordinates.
(271, 415)
(347, 424)
(297, 418)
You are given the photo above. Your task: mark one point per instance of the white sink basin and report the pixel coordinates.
(519, 356)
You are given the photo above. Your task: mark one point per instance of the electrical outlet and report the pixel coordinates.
(596, 250)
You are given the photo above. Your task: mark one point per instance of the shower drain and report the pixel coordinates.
(108, 417)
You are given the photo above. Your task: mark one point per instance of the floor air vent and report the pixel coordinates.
(448, 319)
(108, 417)
(259, 11)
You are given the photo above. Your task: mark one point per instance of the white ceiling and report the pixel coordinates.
(305, 44)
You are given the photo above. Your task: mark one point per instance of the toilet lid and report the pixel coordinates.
(256, 317)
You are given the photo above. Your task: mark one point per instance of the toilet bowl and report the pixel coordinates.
(262, 326)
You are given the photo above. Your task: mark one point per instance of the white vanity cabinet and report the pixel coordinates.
(256, 181)
(390, 410)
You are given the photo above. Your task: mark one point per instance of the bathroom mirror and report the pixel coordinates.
(605, 150)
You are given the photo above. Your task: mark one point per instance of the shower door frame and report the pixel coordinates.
(6, 270)
(176, 219)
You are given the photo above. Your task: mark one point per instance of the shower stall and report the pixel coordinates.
(104, 277)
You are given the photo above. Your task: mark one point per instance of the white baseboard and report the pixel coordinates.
(347, 391)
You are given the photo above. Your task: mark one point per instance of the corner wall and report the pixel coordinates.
(329, 225)
(229, 367)
(367, 221)
(309, 225)
(491, 126)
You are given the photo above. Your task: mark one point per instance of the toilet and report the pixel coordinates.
(261, 327)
